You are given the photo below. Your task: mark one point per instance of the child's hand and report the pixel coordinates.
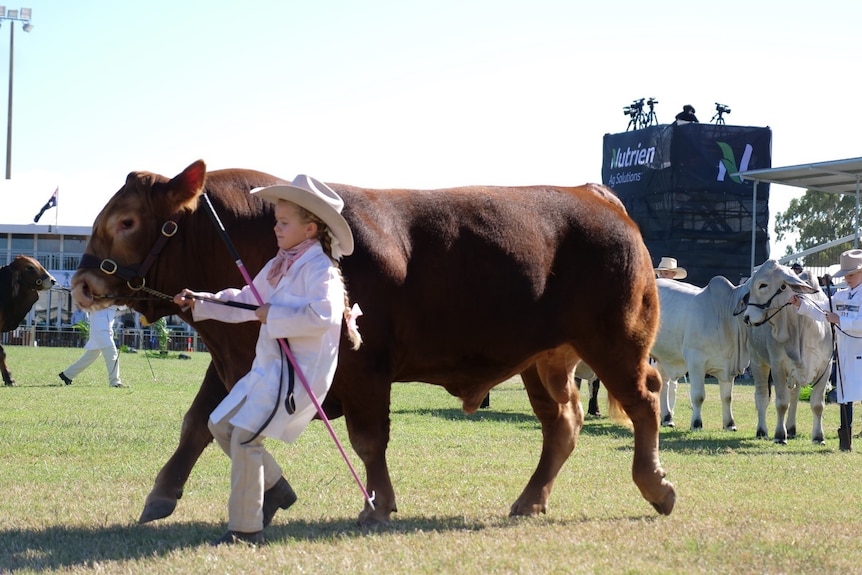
(185, 299)
(261, 312)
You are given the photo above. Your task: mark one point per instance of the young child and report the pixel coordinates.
(305, 302)
(846, 315)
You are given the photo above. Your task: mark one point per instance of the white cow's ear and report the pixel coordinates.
(742, 302)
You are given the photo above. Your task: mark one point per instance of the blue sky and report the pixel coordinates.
(417, 94)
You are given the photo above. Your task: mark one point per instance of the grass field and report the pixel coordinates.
(76, 464)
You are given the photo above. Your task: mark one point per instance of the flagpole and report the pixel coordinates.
(57, 208)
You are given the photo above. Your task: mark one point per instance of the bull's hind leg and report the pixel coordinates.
(634, 385)
(194, 437)
(556, 402)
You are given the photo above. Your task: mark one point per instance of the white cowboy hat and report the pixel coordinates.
(669, 264)
(317, 198)
(851, 261)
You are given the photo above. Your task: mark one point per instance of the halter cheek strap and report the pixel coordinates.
(134, 274)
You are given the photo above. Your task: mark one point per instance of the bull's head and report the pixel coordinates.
(116, 257)
(769, 292)
(28, 276)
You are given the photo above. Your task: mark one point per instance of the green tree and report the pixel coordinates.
(817, 218)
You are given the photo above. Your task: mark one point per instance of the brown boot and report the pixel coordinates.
(845, 439)
(279, 496)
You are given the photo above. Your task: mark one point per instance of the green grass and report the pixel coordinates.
(76, 463)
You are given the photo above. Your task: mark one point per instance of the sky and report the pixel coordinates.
(404, 93)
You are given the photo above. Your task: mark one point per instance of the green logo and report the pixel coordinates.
(727, 163)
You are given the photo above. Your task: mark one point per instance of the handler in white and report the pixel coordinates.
(847, 317)
(101, 341)
(305, 303)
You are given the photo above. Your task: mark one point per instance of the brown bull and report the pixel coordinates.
(20, 284)
(462, 288)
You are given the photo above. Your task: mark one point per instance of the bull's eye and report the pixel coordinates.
(127, 224)
(783, 287)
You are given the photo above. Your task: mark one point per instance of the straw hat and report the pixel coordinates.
(669, 264)
(851, 261)
(317, 198)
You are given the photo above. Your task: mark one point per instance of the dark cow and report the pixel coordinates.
(462, 288)
(20, 284)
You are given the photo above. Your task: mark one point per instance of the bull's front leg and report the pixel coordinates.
(366, 416)
(194, 437)
(725, 391)
(561, 425)
(784, 398)
(760, 373)
(7, 377)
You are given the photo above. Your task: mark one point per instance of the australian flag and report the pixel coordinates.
(51, 203)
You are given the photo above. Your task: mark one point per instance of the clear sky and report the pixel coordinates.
(404, 93)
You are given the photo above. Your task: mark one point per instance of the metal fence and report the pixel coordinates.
(145, 338)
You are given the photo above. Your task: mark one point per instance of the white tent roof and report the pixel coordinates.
(836, 177)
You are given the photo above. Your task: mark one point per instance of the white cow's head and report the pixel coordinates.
(769, 293)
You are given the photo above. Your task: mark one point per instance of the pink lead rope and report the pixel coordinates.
(284, 347)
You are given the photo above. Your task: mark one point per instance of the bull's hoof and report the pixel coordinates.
(791, 433)
(696, 424)
(9, 383)
(519, 509)
(372, 517)
(818, 440)
(665, 506)
(780, 441)
(157, 509)
(668, 421)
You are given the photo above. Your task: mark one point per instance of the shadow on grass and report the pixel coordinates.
(60, 548)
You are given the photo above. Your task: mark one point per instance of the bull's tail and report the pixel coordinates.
(617, 413)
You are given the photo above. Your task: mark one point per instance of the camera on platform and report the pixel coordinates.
(722, 109)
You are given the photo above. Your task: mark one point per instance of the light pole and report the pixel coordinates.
(23, 15)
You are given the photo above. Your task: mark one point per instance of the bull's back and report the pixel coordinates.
(491, 272)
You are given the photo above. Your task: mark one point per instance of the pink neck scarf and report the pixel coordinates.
(285, 258)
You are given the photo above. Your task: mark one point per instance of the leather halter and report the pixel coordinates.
(135, 271)
(765, 306)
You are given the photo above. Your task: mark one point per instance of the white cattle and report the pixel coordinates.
(797, 349)
(701, 333)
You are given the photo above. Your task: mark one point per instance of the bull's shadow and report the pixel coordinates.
(60, 548)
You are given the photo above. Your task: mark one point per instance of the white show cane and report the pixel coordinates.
(284, 347)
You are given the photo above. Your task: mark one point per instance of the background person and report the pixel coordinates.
(668, 268)
(101, 341)
(846, 316)
(687, 114)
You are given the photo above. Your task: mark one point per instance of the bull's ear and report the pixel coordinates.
(189, 184)
(799, 285)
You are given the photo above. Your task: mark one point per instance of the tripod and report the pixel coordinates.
(650, 119)
(636, 112)
(720, 110)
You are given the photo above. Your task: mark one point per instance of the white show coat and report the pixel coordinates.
(101, 329)
(307, 308)
(847, 304)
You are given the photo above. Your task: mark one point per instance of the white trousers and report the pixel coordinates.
(112, 363)
(252, 471)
